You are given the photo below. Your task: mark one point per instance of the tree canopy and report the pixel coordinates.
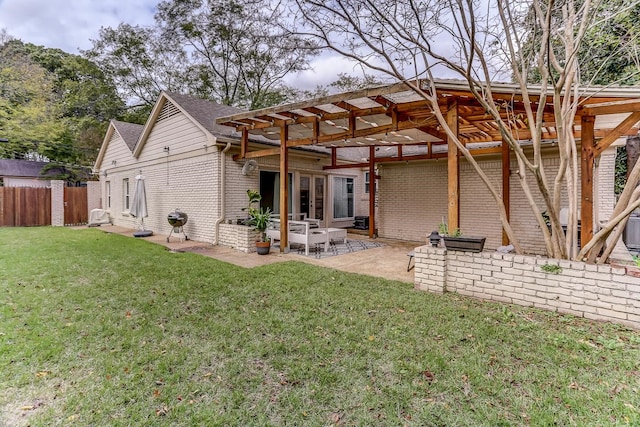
(228, 51)
(53, 105)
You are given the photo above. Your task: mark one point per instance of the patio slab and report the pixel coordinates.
(388, 261)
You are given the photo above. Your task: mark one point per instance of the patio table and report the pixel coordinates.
(336, 234)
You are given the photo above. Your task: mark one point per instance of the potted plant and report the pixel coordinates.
(259, 220)
(455, 241)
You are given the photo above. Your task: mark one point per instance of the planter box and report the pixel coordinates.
(469, 244)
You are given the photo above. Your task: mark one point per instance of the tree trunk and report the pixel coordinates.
(633, 152)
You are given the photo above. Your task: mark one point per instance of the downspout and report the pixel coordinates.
(223, 196)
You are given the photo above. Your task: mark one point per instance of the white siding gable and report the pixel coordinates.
(175, 130)
(117, 151)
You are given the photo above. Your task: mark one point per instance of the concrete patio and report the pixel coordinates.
(388, 261)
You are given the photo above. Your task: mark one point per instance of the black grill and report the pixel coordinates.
(177, 218)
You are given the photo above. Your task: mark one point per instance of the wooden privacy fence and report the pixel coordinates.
(25, 206)
(31, 206)
(75, 206)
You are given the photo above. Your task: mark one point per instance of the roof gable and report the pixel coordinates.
(201, 112)
(128, 132)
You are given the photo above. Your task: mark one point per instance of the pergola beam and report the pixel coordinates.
(616, 133)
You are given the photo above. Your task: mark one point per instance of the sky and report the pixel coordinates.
(70, 25)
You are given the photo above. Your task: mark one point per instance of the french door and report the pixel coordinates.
(312, 196)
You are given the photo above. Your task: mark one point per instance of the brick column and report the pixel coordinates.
(57, 203)
(431, 269)
(94, 195)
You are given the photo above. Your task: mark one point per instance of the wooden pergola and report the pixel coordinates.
(396, 116)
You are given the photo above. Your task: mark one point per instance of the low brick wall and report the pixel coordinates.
(600, 292)
(240, 237)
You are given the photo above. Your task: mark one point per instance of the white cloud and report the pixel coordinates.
(324, 70)
(70, 24)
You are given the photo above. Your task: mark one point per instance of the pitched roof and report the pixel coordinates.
(22, 168)
(206, 112)
(130, 132)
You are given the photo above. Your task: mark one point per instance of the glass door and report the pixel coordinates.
(311, 198)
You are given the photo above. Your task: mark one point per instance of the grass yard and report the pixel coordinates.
(105, 330)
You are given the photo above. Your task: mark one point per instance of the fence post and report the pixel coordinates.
(94, 195)
(57, 203)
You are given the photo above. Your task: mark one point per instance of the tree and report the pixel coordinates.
(54, 105)
(610, 54)
(228, 51)
(411, 39)
(141, 61)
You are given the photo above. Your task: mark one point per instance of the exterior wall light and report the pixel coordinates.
(434, 239)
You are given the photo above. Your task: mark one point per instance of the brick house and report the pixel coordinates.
(392, 133)
(188, 163)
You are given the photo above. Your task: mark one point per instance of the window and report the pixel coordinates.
(107, 191)
(342, 197)
(125, 192)
(367, 181)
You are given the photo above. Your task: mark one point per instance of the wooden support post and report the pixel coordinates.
(244, 144)
(316, 130)
(372, 191)
(453, 171)
(334, 156)
(506, 182)
(586, 178)
(284, 189)
(352, 123)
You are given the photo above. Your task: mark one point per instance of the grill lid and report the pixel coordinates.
(177, 218)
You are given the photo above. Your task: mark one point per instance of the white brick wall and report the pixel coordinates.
(239, 237)
(57, 203)
(605, 182)
(94, 195)
(413, 200)
(600, 292)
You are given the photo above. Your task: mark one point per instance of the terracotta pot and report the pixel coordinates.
(263, 247)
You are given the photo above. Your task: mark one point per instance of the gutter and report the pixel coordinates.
(223, 196)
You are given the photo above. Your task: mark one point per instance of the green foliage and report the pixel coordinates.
(620, 171)
(608, 53)
(53, 105)
(100, 329)
(231, 52)
(443, 230)
(551, 268)
(259, 218)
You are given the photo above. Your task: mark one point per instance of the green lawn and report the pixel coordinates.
(99, 329)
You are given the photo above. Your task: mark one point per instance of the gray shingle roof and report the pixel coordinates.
(206, 112)
(130, 132)
(22, 168)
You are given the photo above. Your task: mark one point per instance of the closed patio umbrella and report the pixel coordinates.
(139, 206)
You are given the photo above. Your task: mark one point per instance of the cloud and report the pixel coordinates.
(324, 70)
(69, 24)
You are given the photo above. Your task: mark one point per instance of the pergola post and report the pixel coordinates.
(586, 178)
(372, 192)
(506, 183)
(453, 171)
(244, 143)
(284, 189)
